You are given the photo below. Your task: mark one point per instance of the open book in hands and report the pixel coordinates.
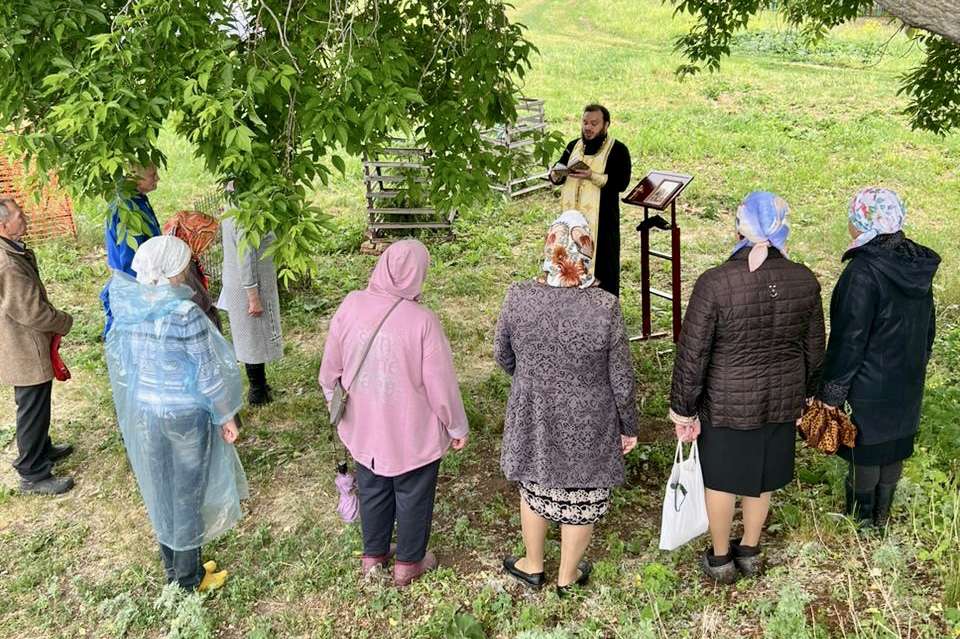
(562, 170)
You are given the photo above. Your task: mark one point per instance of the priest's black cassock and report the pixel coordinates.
(598, 199)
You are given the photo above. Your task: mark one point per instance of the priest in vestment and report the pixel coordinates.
(595, 190)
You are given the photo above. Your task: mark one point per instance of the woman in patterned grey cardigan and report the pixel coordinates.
(572, 411)
(252, 301)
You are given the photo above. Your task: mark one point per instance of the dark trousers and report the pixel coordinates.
(178, 448)
(406, 499)
(33, 431)
(865, 479)
(257, 375)
(177, 451)
(182, 566)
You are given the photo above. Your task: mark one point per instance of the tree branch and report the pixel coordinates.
(283, 36)
(937, 16)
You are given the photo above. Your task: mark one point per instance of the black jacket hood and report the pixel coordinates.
(904, 263)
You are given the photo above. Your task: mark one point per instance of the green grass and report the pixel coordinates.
(813, 125)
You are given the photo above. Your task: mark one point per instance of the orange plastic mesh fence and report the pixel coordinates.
(52, 216)
(213, 204)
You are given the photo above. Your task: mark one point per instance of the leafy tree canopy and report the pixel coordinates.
(273, 93)
(933, 87)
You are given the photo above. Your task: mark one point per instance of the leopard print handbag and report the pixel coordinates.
(827, 427)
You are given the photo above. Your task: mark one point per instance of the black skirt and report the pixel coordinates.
(878, 454)
(747, 462)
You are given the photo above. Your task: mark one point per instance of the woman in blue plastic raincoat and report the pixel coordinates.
(177, 388)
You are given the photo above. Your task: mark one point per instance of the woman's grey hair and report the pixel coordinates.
(6, 208)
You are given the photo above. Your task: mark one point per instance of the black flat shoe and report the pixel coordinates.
(748, 559)
(59, 452)
(585, 568)
(725, 573)
(535, 580)
(49, 486)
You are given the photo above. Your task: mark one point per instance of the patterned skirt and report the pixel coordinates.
(571, 506)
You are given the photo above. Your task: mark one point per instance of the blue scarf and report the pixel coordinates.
(762, 222)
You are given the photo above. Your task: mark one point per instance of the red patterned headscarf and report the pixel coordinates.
(197, 229)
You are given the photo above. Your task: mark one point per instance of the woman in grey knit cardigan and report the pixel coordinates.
(572, 411)
(252, 301)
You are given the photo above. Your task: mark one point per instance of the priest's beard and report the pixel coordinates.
(590, 147)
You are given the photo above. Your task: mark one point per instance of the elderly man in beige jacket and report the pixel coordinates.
(28, 323)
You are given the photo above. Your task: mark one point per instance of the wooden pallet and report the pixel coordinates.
(388, 177)
(515, 139)
(376, 245)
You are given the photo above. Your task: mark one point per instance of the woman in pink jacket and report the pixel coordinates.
(404, 409)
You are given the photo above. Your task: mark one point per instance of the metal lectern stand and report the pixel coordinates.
(657, 191)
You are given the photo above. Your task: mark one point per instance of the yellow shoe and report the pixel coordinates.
(210, 566)
(213, 580)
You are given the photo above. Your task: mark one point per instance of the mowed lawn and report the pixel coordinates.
(813, 125)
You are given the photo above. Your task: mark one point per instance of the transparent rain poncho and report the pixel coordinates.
(175, 380)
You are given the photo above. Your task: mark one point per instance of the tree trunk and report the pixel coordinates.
(938, 16)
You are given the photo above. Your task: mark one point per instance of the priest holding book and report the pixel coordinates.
(593, 170)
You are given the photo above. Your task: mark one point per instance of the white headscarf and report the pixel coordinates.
(160, 258)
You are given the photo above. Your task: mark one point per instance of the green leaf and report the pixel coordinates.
(55, 79)
(243, 138)
(464, 626)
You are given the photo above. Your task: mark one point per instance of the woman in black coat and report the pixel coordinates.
(882, 328)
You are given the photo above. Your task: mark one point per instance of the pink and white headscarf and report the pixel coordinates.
(876, 211)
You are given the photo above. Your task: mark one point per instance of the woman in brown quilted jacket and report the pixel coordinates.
(749, 354)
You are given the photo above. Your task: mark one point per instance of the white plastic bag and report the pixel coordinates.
(684, 507)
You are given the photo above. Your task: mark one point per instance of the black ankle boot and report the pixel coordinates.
(259, 389)
(884, 500)
(864, 504)
(859, 506)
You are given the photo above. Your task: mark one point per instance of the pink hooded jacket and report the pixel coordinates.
(405, 406)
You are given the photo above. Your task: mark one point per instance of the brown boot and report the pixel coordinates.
(368, 562)
(404, 572)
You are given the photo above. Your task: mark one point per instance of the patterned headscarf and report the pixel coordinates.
(568, 252)
(874, 212)
(762, 221)
(196, 229)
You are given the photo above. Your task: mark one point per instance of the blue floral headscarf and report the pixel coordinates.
(762, 221)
